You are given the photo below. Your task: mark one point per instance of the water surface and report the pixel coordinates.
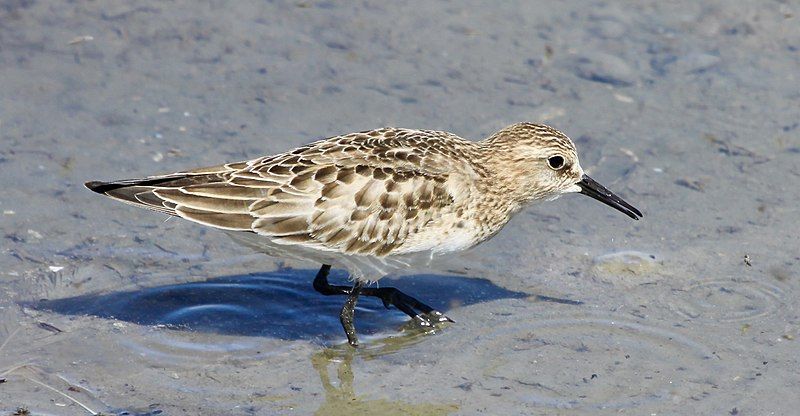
(686, 109)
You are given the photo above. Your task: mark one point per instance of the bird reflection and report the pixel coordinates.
(342, 399)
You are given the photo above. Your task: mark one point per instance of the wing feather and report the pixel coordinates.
(225, 221)
(219, 205)
(363, 193)
(227, 190)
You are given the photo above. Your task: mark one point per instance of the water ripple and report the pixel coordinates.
(732, 300)
(593, 363)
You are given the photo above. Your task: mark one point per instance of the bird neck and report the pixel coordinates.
(500, 184)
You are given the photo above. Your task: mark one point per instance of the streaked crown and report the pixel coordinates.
(533, 161)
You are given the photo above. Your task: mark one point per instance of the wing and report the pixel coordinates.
(364, 193)
(153, 193)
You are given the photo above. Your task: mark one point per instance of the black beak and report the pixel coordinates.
(599, 192)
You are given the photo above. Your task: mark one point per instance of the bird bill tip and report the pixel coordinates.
(591, 188)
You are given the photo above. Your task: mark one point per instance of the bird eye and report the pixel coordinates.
(555, 162)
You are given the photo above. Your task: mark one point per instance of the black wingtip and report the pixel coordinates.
(102, 187)
(94, 185)
(106, 187)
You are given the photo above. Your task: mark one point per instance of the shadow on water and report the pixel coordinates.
(280, 304)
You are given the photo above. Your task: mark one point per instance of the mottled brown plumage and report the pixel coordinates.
(374, 200)
(380, 193)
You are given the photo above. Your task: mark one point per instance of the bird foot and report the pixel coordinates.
(429, 319)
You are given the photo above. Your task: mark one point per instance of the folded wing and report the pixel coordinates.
(354, 195)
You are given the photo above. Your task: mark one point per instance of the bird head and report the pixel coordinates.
(541, 163)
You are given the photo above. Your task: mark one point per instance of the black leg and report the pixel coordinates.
(348, 310)
(321, 284)
(421, 313)
(409, 305)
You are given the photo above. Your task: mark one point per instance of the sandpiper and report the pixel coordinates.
(374, 201)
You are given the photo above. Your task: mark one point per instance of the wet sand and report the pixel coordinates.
(688, 111)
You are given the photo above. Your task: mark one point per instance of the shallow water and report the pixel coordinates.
(687, 110)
